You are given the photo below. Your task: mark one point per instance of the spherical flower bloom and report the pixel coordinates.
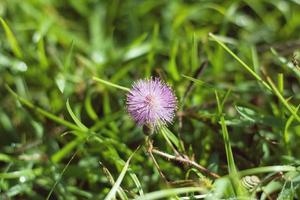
(151, 102)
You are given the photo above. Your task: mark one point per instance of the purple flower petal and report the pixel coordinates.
(151, 102)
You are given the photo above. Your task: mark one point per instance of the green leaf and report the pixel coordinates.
(170, 137)
(252, 116)
(286, 136)
(120, 191)
(136, 181)
(283, 101)
(240, 191)
(112, 193)
(11, 39)
(172, 66)
(89, 107)
(76, 120)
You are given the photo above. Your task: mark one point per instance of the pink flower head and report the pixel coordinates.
(151, 102)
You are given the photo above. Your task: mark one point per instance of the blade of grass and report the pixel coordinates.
(280, 85)
(89, 107)
(151, 54)
(200, 82)
(286, 137)
(11, 39)
(283, 101)
(110, 178)
(172, 66)
(247, 67)
(229, 154)
(255, 60)
(6, 158)
(194, 52)
(76, 120)
(267, 169)
(42, 54)
(112, 193)
(18, 174)
(63, 171)
(43, 112)
(84, 194)
(170, 137)
(68, 59)
(136, 181)
(163, 194)
(111, 84)
(240, 191)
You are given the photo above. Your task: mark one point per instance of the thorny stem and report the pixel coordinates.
(186, 160)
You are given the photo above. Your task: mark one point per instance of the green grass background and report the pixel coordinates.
(64, 135)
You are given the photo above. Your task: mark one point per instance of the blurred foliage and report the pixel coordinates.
(51, 49)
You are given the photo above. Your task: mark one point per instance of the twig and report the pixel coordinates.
(186, 161)
(150, 150)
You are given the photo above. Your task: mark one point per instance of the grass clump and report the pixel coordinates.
(67, 66)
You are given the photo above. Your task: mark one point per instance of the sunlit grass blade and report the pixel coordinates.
(112, 193)
(74, 117)
(283, 101)
(43, 112)
(267, 169)
(172, 65)
(89, 107)
(17, 174)
(170, 137)
(240, 191)
(42, 54)
(6, 158)
(11, 39)
(163, 194)
(136, 181)
(229, 154)
(247, 67)
(286, 136)
(111, 84)
(110, 178)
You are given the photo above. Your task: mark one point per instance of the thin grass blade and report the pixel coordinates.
(247, 67)
(112, 193)
(74, 117)
(111, 84)
(163, 194)
(11, 39)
